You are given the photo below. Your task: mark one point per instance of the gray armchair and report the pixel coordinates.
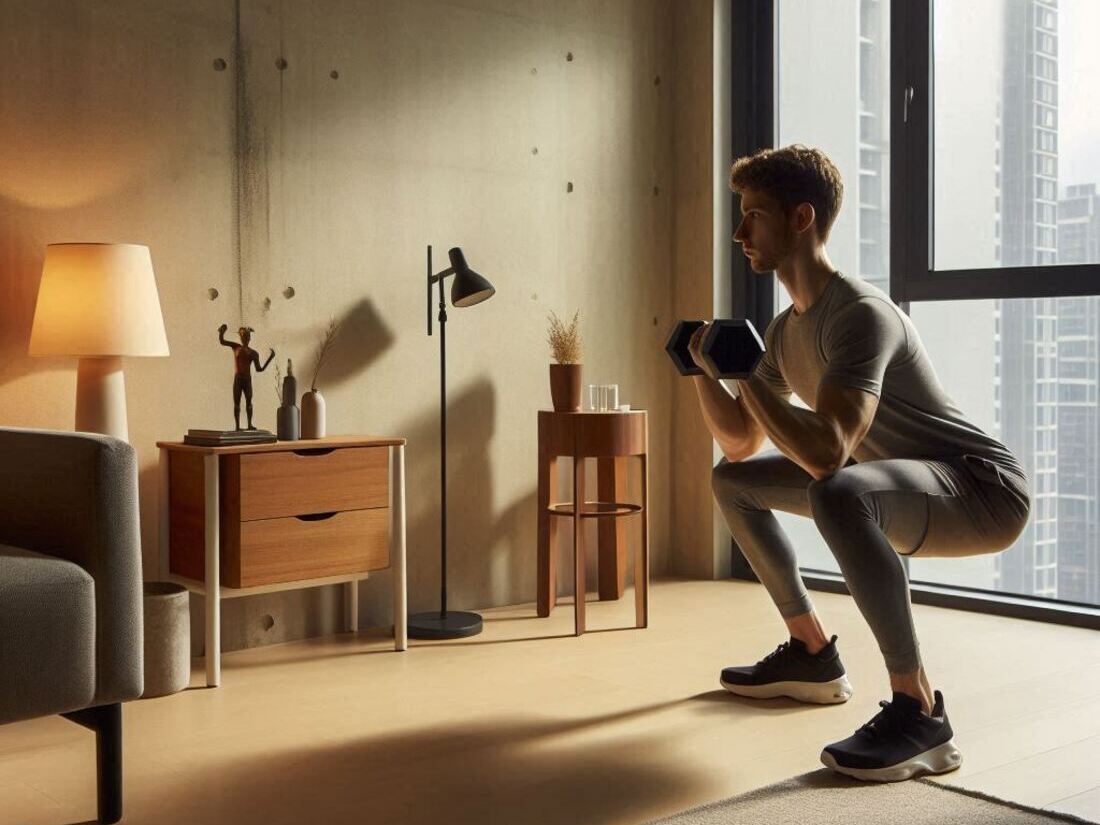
(71, 588)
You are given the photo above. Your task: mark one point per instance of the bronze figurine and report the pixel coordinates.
(244, 358)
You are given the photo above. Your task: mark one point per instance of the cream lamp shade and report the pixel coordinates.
(98, 302)
(98, 299)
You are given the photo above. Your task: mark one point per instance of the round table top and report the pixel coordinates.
(590, 433)
(592, 412)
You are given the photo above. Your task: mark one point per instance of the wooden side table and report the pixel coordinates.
(612, 438)
(258, 518)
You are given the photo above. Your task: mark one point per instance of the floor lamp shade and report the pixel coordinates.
(98, 302)
(469, 287)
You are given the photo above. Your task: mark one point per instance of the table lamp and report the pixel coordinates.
(468, 289)
(98, 302)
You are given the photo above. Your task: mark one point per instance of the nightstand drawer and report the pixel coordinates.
(299, 482)
(287, 549)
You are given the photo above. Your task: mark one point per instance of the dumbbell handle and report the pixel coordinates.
(731, 348)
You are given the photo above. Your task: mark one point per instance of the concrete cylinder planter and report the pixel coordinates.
(313, 415)
(167, 638)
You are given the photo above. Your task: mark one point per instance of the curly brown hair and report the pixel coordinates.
(794, 174)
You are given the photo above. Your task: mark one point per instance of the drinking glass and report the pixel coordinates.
(611, 397)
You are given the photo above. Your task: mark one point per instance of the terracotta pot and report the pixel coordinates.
(565, 387)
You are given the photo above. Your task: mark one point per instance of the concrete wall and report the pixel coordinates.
(450, 123)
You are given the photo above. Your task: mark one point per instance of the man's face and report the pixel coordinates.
(765, 233)
(246, 336)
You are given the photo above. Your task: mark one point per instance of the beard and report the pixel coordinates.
(767, 261)
(761, 264)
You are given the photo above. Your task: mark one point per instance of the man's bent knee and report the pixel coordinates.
(729, 477)
(834, 496)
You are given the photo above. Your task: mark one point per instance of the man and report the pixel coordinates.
(244, 358)
(883, 462)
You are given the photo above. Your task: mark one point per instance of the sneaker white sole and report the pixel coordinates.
(837, 691)
(940, 759)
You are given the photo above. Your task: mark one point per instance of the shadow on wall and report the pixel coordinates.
(482, 544)
(363, 338)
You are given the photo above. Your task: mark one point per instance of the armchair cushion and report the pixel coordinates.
(47, 635)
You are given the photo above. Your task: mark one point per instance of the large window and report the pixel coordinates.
(974, 199)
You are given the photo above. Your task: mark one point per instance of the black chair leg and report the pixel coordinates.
(106, 721)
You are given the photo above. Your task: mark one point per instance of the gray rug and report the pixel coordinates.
(823, 797)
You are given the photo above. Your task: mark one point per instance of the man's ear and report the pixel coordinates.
(803, 217)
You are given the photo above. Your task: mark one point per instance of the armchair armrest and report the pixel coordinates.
(75, 496)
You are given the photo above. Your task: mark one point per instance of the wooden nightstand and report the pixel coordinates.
(237, 521)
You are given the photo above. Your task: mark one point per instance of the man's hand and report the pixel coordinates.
(222, 329)
(695, 348)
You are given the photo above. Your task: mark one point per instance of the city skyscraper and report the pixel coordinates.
(1078, 407)
(1047, 365)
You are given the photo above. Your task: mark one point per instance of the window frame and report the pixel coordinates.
(912, 158)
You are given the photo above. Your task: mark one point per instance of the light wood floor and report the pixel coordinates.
(526, 724)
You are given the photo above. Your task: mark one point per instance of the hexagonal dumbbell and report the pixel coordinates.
(731, 348)
(677, 347)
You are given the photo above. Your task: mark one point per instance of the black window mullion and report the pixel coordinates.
(753, 128)
(1005, 282)
(910, 145)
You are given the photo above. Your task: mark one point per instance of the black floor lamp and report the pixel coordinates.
(468, 289)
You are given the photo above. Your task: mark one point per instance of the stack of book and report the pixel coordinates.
(228, 438)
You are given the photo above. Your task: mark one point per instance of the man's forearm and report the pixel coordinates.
(721, 414)
(802, 435)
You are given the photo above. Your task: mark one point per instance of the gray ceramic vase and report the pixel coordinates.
(287, 419)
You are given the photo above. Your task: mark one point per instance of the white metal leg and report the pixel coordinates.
(352, 602)
(213, 583)
(163, 520)
(397, 547)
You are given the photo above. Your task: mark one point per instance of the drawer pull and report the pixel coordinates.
(316, 516)
(315, 451)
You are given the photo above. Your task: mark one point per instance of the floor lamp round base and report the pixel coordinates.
(449, 625)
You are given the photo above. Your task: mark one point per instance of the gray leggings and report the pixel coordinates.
(868, 513)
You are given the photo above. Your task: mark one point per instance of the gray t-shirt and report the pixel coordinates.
(853, 335)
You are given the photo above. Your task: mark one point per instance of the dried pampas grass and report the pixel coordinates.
(565, 341)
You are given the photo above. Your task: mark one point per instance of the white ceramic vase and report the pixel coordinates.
(313, 415)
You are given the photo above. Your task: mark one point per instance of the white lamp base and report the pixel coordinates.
(101, 397)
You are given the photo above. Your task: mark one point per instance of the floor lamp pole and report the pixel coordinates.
(442, 624)
(443, 453)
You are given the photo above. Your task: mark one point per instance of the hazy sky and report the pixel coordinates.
(1079, 74)
(969, 34)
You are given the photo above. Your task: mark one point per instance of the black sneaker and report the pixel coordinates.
(791, 670)
(899, 743)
